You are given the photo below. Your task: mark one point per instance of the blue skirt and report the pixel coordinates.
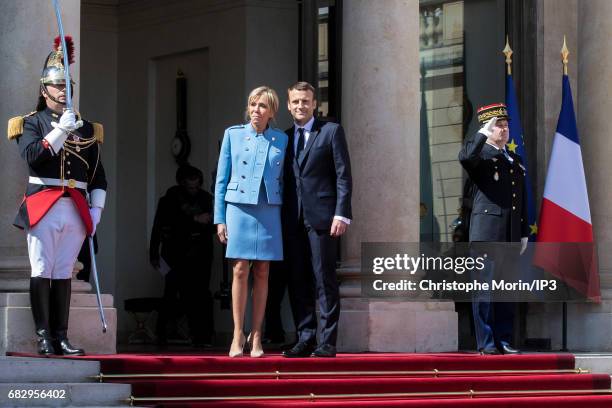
(254, 231)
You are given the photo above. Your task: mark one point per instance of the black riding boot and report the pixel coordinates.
(60, 311)
(39, 302)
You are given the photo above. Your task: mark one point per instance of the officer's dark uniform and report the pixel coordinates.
(78, 161)
(499, 214)
(499, 209)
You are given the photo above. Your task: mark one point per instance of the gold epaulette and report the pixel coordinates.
(98, 131)
(15, 126)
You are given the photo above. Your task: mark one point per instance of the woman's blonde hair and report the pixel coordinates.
(270, 97)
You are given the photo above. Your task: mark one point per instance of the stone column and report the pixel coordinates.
(594, 75)
(590, 70)
(27, 30)
(380, 113)
(553, 22)
(594, 107)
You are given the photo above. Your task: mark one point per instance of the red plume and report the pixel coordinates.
(69, 45)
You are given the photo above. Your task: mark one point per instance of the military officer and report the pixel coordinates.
(499, 214)
(62, 154)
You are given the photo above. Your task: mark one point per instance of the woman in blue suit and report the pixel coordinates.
(248, 199)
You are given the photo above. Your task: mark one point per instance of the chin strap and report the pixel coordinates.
(44, 91)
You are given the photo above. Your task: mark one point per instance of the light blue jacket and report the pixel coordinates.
(246, 159)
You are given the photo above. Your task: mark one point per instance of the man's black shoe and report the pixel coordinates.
(489, 351)
(506, 349)
(64, 348)
(325, 350)
(299, 350)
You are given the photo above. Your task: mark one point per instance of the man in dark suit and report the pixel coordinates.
(499, 214)
(316, 212)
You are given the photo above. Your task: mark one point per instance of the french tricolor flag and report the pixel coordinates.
(565, 216)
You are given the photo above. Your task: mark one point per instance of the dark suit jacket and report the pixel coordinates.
(499, 209)
(318, 182)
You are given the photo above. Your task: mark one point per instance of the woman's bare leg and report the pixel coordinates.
(240, 284)
(260, 295)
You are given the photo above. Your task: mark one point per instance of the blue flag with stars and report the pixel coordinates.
(516, 144)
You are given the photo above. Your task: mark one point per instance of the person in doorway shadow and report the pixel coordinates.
(183, 229)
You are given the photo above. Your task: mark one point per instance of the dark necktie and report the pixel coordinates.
(300, 142)
(507, 156)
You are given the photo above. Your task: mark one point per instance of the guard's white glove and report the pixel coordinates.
(68, 121)
(58, 135)
(524, 241)
(487, 128)
(96, 214)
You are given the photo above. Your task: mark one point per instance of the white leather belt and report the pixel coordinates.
(72, 183)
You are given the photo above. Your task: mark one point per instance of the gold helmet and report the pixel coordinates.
(53, 70)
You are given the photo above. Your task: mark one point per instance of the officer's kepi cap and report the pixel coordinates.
(497, 110)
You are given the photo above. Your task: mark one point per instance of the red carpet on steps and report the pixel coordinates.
(520, 402)
(147, 363)
(217, 388)
(534, 375)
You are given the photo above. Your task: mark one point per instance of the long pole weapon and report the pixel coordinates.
(94, 271)
(60, 27)
(69, 106)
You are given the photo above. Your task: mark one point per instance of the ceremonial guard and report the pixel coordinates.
(499, 214)
(62, 152)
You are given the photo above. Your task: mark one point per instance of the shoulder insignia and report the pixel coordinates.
(15, 126)
(98, 131)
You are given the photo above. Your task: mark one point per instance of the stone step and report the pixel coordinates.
(64, 394)
(21, 299)
(8, 262)
(17, 284)
(47, 370)
(15, 273)
(595, 362)
(85, 328)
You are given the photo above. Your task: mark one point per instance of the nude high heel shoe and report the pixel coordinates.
(238, 352)
(255, 353)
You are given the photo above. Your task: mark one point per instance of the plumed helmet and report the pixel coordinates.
(53, 70)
